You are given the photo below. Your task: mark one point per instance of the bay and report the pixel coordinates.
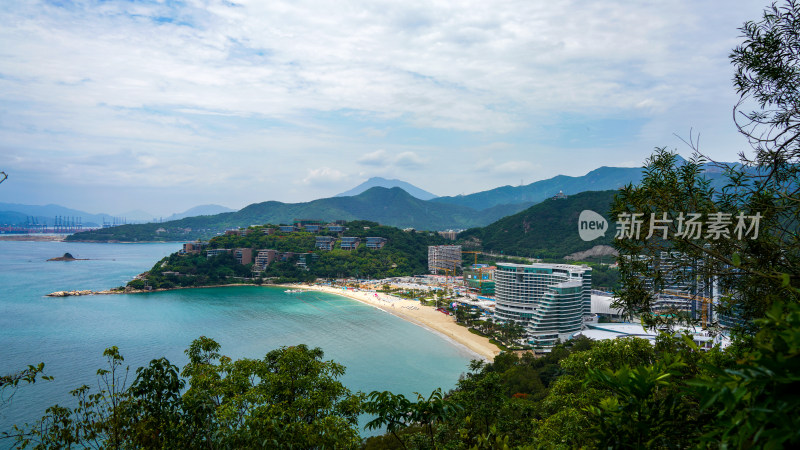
(379, 350)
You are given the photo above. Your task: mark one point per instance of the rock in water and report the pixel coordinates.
(66, 257)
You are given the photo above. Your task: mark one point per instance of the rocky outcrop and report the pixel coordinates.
(67, 257)
(596, 251)
(71, 293)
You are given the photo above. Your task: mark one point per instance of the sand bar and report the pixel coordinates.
(412, 311)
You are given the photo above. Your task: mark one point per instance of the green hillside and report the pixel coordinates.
(603, 178)
(548, 229)
(405, 253)
(392, 207)
(600, 179)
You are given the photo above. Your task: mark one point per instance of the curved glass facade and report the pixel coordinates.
(550, 300)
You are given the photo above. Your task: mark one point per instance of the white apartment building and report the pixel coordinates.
(549, 300)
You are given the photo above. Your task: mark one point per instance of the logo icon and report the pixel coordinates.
(591, 225)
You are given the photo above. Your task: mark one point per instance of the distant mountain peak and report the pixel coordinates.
(200, 210)
(388, 184)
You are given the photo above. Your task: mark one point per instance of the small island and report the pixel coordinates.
(67, 257)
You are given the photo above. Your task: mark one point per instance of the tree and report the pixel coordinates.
(9, 384)
(290, 398)
(768, 72)
(756, 402)
(763, 266)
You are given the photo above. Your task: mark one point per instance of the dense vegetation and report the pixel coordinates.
(405, 253)
(546, 230)
(622, 393)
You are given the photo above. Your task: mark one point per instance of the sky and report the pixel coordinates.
(113, 106)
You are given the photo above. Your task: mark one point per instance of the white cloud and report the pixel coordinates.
(376, 158)
(453, 65)
(243, 97)
(515, 168)
(384, 159)
(324, 176)
(409, 160)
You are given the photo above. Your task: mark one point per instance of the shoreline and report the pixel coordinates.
(408, 310)
(424, 316)
(77, 293)
(33, 237)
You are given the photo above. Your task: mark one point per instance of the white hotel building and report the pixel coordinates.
(550, 300)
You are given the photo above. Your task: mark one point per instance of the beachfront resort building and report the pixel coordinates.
(444, 257)
(549, 300)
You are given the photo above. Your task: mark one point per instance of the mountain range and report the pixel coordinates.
(394, 207)
(389, 206)
(384, 183)
(601, 179)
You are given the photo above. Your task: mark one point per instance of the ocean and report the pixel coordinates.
(379, 350)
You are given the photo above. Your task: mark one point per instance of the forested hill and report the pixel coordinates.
(548, 229)
(393, 207)
(404, 253)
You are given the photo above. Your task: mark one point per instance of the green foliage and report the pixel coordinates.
(754, 272)
(290, 398)
(757, 401)
(396, 413)
(404, 254)
(10, 382)
(647, 408)
(604, 277)
(546, 230)
(767, 71)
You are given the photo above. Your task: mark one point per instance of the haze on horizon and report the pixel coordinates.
(110, 106)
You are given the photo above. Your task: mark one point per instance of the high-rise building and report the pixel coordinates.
(549, 300)
(684, 285)
(444, 257)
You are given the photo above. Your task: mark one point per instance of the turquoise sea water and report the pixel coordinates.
(380, 351)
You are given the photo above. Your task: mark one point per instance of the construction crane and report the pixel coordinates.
(706, 302)
(447, 270)
(476, 255)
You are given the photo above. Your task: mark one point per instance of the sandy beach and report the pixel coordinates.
(425, 316)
